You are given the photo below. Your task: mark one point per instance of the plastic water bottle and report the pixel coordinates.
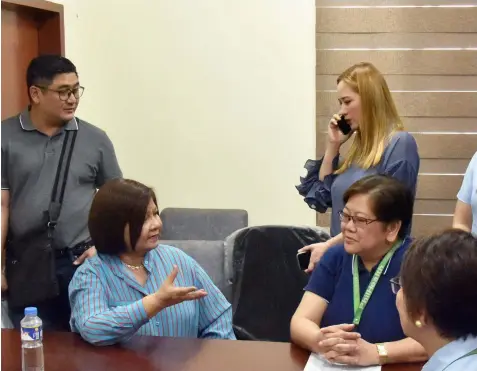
(32, 341)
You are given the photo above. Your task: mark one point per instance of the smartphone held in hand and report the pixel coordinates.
(303, 259)
(343, 125)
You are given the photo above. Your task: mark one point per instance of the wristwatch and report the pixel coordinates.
(383, 354)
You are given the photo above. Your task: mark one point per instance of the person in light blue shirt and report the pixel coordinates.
(135, 286)
(465, 214)
(437, 299)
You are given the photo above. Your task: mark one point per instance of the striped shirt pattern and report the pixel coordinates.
(106, 300)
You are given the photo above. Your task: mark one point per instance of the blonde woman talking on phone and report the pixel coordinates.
(379, 146)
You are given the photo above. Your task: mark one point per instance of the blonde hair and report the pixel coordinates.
(379, 116)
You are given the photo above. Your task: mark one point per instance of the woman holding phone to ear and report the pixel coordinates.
(379, 146)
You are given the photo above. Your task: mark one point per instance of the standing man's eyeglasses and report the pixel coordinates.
(65, 94)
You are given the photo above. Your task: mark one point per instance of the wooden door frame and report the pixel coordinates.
(52, 18)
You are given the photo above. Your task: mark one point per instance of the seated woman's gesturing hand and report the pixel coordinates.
(169, 294)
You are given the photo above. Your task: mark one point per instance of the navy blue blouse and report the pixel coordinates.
(400, 160)
(332, 279)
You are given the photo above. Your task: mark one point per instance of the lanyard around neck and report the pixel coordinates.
(471, 353)
(360, 304)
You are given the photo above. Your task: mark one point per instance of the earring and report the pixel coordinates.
(418, 324)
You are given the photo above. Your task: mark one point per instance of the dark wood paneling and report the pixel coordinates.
(19, 47)
(29, 28)
(34, 4)
(50, 41)
(49, 17)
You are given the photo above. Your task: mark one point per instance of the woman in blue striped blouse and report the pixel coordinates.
(134, 286)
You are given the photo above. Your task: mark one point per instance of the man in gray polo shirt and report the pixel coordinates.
(31, 146)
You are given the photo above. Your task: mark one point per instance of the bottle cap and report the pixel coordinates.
(31, 311)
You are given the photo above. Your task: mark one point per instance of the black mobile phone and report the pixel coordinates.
(303, 259)
(343, 125)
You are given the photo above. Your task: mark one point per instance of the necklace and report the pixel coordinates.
(134, 267)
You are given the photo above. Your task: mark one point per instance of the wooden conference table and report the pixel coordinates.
(67, 351)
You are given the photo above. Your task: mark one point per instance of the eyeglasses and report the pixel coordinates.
(65, 94)
(395, 284)
(358, 221)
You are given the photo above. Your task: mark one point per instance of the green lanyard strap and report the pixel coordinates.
(471, 353)
(360, 304)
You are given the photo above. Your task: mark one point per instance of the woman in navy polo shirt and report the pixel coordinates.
(348, 312)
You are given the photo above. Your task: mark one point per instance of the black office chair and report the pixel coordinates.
(267, 284)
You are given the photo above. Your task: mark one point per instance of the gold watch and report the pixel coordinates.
(383, 354)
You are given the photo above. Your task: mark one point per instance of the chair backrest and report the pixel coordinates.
(201, 224)
(267, 284)
(210, 256)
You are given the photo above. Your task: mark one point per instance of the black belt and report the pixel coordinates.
(75, 251)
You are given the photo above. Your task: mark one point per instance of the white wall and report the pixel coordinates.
(211, 102)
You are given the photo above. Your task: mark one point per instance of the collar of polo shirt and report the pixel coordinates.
(27, 125)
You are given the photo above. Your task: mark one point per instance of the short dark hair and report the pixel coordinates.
(43, 69)
(118, 203)
(391, 200)
(439, 277)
